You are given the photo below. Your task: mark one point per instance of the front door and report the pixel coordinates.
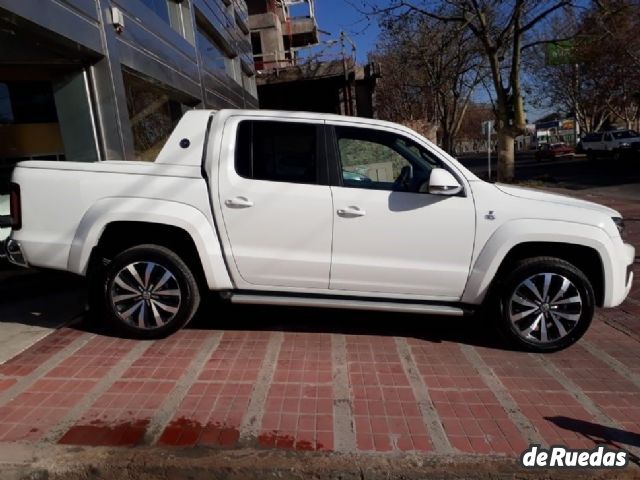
(389, 235)
(276, 203)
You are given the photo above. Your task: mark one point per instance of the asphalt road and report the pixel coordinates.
(620, 179)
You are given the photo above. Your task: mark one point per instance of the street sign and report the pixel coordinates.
(487, 127)
(560, 53)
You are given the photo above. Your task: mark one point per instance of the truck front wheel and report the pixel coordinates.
(147, 291)
(546, 304)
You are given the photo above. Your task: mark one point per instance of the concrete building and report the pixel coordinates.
(88, 80)
(298, 71)
(279, 29)
(332, 86)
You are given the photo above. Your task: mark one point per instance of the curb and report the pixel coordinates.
(58, 462)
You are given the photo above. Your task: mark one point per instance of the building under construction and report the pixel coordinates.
(296, 70)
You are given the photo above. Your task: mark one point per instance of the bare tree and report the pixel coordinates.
(470, 136)
(432, 70)
(614, 56)
(505, 30)
(599, 80)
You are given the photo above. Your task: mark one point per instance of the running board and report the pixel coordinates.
(385, 306)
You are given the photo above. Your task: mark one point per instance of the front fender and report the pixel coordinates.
(521, 231)
(163, 212)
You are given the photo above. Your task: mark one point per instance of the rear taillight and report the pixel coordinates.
(15, 207)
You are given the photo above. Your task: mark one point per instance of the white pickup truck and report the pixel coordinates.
(317, 210)
(616, 144)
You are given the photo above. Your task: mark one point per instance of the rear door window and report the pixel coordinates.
(278, 152)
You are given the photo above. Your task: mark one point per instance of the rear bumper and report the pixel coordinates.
(12, 251)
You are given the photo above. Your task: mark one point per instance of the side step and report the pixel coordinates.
(380, 306)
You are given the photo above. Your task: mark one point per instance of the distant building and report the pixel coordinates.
(526, 141)
(292, 75)
(88, 80)
(277, 33)
(556, 131)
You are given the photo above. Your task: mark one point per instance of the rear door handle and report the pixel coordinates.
(351, 211)
(238, 202)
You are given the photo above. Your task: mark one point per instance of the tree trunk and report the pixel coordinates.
(447, 142)
(506, 156)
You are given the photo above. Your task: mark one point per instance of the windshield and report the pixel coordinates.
(625, 134)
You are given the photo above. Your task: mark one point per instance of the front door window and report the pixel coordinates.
(382, 161)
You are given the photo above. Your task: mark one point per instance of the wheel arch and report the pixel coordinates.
(585, 246)
(119, 223)
(586, 259)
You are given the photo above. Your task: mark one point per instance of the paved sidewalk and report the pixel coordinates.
(354, 383)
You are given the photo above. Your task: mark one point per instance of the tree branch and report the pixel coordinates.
(542, 15)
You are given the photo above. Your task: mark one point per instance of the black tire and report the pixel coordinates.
(181, 306)
(534, 269)
(591, 156)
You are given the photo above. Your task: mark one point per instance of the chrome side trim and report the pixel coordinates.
(347, 304)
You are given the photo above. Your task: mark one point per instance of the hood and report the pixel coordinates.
(532, 194)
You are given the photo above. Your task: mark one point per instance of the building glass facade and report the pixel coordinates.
(109, 79)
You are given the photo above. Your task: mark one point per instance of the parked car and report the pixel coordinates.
(254, 206)
(551, 151)
(617, 144)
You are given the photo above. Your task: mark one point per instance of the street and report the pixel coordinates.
(259, 379)
(605, 177)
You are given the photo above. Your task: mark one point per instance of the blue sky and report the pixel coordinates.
(334, 16)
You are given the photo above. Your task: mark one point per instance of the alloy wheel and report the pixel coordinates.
(145, 295)
(545, 308)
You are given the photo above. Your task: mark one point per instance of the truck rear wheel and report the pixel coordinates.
(546, 304)
(147, 291)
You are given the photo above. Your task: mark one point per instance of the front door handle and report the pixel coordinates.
(351, 211)
(238, 202)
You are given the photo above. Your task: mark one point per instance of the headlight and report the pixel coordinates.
(619, 224)
(625, 144)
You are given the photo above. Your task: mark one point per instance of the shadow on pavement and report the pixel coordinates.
(218, 315)
(597, 433)
(32, 304)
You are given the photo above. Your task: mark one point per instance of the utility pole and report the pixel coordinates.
(347, 88)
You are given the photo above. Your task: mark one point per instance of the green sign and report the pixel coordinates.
(561, 53)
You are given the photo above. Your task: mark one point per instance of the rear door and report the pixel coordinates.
(276, 202)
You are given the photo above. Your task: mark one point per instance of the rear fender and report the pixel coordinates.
(162, 212)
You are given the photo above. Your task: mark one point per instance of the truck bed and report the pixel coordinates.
(56, 196)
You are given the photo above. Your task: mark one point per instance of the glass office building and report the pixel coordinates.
(88, 80)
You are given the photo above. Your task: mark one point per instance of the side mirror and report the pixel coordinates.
(441, 182)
